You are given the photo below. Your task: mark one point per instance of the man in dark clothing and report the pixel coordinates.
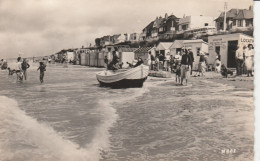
(192, 59)
(106, 61)
(139, 62)
(42, 69)
(113, 65)
(152, 61)
(185, 63)
(161, 59)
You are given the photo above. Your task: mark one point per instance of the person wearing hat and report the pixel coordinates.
(239, 61)
(192, 59)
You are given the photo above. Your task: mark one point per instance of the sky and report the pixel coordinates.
(44, 27)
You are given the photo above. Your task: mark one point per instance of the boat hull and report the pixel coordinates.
(124, 83)
(133, 77)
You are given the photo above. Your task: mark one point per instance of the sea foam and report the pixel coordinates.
(24, 138)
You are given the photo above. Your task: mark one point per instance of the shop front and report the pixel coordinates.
(226, 46)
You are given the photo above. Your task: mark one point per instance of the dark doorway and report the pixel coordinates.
(178, 50)
(162, 52)
(217, 49)
(231, 57)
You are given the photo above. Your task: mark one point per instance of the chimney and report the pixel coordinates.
(250, 8)
(184, 16)
(82, 46)
(166, 15)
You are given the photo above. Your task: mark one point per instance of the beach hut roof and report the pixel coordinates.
(194, 41)
(123, 49)
(143, 50)
(177, 44)
(164, 45)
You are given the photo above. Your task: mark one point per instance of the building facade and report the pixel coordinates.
(241, 19)
(195, 22)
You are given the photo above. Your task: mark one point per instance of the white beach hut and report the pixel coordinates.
(226, 45)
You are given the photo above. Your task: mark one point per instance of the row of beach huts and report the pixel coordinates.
(225, 45)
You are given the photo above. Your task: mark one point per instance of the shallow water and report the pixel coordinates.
(65, 118)
(70, 118)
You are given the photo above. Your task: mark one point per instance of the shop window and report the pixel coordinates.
(248, 23)
(240, 23)
(184, 27)
(198, 51)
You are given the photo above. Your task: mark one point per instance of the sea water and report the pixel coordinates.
(70, 118)
(65, 118)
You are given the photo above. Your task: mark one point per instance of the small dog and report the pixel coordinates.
(18, 73)
(225, 71)
(178, 73)
(11, 71)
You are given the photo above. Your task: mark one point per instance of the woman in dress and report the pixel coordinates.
(202, 64)
(218, 62)
(249, 60)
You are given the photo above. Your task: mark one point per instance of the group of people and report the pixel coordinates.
(170, 62)
(181, 63)
(245, 60)
(115, 63)
(21, 69)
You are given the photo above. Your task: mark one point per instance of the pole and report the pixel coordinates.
(225, 16)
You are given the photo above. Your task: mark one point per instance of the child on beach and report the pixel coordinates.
(42, 68)
(178, 72)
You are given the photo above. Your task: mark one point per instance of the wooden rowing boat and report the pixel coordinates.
(125, 78)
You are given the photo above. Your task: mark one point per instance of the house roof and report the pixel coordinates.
(149, 26)
(164, 45)
(143, 50)
(230, 14)
(237, 14)
(158, 22)
(245, 14)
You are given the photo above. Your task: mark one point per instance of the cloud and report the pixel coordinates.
(37, 27)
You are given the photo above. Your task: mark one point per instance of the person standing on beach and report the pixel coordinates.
(152, 61)
(185, 63)
(239, 61)
(192, 59)
(18, 69)
(202, 64)
(106, 61)
(167, 61)
(249, 60)
(42, 69)
(25, 66)
(218, 62)
(149, 61)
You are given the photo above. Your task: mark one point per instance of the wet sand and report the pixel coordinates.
(201, 121)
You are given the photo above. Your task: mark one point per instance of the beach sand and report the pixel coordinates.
(202, 121)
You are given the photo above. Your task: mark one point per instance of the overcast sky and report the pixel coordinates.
(44, 27)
